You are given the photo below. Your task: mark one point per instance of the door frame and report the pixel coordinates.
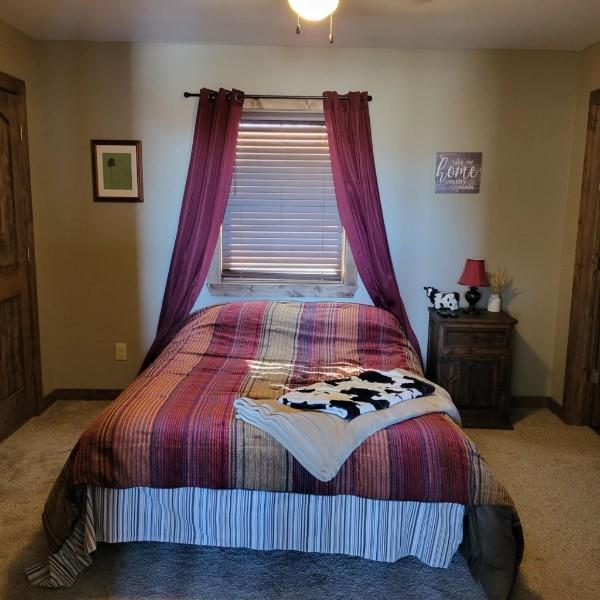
(16, 87)
(581, 376)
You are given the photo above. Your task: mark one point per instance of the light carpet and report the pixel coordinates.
(552, 471)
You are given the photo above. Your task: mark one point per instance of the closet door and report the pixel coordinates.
(582, 377)
(595, 421)
(19, 364)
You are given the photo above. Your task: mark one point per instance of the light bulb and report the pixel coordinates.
(314, 10)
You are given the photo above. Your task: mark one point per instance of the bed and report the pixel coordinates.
(168, 461)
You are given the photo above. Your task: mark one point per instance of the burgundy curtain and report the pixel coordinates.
(355, 180)
(202, 209)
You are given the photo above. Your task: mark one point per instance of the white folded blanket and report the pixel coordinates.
(321, 442)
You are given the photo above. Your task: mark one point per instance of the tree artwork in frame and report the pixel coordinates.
(117, 170)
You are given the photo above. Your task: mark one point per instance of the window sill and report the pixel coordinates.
(283, 290)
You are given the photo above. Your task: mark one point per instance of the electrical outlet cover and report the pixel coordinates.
(120, 351)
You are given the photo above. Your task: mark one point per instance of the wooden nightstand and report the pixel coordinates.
(470, 356)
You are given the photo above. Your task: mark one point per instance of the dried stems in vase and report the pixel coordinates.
(499, 280)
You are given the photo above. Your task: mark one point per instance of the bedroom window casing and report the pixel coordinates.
(282, 234)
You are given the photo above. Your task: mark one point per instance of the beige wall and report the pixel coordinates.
(17, 53)
(588, 80)
(102, 267)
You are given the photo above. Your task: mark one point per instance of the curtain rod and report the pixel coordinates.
(273, 96)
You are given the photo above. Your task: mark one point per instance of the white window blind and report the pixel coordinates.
(282, 221)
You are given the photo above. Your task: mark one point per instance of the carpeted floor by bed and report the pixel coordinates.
(551, 470)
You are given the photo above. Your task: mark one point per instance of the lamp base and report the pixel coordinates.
(472, 296)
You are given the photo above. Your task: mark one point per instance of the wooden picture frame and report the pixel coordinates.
(117, 170)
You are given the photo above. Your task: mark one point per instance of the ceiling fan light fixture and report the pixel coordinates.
(314, 10)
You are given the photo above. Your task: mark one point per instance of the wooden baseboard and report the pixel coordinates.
(86, 394)
(557, 409)
(530, 401)
(46, 402)
(76, 394)
(539, 402)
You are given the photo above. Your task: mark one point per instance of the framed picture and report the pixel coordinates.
(117, 170)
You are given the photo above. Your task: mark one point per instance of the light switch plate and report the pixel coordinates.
(120, 351)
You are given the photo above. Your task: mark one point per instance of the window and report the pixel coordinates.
(282, 232)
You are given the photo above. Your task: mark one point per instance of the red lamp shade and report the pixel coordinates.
(474, 274)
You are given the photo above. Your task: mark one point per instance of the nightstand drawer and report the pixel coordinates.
(455, 337)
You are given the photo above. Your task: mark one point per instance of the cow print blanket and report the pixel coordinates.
(351, 397)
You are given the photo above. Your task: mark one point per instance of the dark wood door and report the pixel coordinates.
(595, 421)
(19, 364)
(581, 401)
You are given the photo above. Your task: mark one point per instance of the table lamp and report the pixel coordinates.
(474, 276)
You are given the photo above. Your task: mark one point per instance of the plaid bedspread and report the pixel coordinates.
(175, 425)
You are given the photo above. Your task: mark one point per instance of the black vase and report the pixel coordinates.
(472, 296)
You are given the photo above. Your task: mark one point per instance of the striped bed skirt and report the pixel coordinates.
(382, 530)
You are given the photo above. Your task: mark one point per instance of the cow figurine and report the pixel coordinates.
(442, 300)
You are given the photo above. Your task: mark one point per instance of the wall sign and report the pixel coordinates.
(457, 172)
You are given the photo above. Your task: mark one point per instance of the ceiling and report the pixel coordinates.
(534, 24)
